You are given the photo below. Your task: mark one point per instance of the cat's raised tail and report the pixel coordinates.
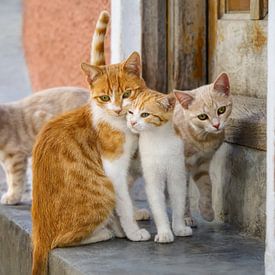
(97, 47)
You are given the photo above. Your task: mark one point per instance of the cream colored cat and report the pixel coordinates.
(20, 122)
(162, 159)
(200, 117)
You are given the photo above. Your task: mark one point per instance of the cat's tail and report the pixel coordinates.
(40, 260)
(97, 47)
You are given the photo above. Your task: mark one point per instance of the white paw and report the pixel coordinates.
(183, 231)
(10, 198)
(142, 215)
(164, 237)
(190, 221)
(139, 235)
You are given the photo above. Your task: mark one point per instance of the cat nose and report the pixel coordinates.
(118, 111)
(216, 125)
(133, 123)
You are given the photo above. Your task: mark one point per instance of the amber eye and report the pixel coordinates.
(202, 117)
(145, 114)
(221, 110)
(105, 98)
(126, 94)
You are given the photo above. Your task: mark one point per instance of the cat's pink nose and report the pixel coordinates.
(118, 111)
(217, 125)
(133, 123)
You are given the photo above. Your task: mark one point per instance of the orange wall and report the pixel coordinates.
(57, 36)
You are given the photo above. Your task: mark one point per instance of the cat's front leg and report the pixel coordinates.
(15, 167)
(124, 205)
(125, 211)
(188, 218)
(176, 183)
(154, 187)
(202, 179)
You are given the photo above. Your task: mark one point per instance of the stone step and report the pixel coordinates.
(214, 248)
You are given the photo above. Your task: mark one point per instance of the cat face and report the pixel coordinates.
(114, 87)
(208, 107)
(151, 109)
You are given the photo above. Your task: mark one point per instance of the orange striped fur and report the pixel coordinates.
(158, 105)
(72, 197)
(97, 47)
(21, 121)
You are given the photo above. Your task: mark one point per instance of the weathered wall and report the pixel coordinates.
(57, 36)
(238, 175)
(239, 47)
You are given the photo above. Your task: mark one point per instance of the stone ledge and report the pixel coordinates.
(213, 249)
(247, 123)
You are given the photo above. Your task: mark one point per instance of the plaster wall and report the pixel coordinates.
(57, 36)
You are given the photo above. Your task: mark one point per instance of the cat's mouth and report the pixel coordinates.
(216, 131)
(132, 128)
(121, 114)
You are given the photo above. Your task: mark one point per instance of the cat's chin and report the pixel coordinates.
(133, 130)
(215, 131)
(118, 115)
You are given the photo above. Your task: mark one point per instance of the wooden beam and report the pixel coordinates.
(187, 44)
(154, 40)
(247, 123)
(256, 7)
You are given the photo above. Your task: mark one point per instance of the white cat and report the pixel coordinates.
(162, 159)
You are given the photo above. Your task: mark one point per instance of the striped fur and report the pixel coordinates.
(97, 47)
(80, 167)
(202, 138)
(20, 122)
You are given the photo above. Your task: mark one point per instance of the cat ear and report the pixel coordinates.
(221, 84)
(91, 72)
(167, 102)
(184, 98)
(132, 65)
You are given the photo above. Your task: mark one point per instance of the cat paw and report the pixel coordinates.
(190, 221)
(207, 214)
(10, 198)
(142, 214)
(183, 231)
(164, 237)
(140, 235)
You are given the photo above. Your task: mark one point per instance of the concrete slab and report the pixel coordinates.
(213, 249)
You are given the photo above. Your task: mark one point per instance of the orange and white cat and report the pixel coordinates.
(162, 160)
(80, 165)
(200, 117)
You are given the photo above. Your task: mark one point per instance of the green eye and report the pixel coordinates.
(105, 98)
(202, 117)
(126, 94)
(145, 114)
(221, 110)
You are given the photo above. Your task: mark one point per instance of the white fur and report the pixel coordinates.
(162, 159)
(117, 171)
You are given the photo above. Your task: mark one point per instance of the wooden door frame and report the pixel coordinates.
(165, 25)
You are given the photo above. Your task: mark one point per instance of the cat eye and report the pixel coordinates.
(126, 94)
(105, 98)
(130, 112)
(145, 114)
(202, 117)
(221, 110)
